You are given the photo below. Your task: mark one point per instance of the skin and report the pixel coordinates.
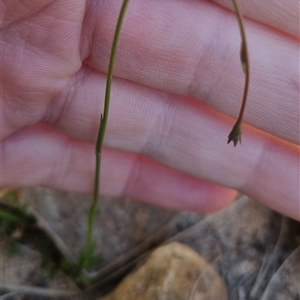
(177, 89)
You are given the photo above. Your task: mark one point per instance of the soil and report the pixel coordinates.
(255, 249)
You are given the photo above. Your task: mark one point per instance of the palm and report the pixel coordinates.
(41, 61)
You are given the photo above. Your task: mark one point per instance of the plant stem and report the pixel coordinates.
(102, 129)
(236, 132)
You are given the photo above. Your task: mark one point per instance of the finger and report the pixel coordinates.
(187, 136)
(192, 48)
(39, 155)
(281, 15)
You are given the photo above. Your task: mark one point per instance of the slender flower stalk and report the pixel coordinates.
(235, 135)
(89, 247)
(236, 132)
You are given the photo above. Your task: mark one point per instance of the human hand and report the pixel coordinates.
(177, 90)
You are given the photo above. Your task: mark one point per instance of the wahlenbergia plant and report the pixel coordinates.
(235, 134)
(88, 255)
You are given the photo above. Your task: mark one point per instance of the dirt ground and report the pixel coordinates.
(255, 249)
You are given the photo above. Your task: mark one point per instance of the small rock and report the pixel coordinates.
(172, 272)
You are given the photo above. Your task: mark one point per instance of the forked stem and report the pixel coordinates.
(236, 132)
(89, 247)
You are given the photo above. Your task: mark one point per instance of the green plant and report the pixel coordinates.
(235, 134)
(88, 257)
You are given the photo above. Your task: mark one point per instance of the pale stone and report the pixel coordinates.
(172, 272)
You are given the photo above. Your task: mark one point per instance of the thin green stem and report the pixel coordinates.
(101, 132)
(236, 132)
